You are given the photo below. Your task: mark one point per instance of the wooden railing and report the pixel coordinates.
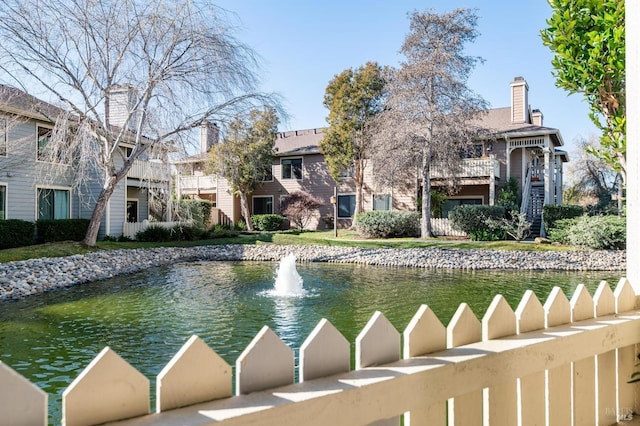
(470, 168)
(565, 362)
(150, 171)
(196, 184)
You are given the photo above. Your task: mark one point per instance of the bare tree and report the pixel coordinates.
(592, 180)
(429, 111)
(177, 61)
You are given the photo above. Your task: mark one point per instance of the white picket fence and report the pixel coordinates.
(565, 362)
(130, 229)
(441, 227)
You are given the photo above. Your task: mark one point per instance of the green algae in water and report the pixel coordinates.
(146, 317)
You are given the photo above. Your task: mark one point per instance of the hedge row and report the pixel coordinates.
(20, 233)
(553, 213)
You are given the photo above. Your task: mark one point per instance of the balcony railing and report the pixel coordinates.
(150, 171)
(564, 362)
(196, 184)
(470, 168)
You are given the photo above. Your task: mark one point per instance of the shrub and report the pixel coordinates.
(480, 222)
(61, 230)
(552, 213)
(155, 234)
(197, 210)
(267, 222)
(16, 233)
(516, 226)
(300, 207)
(560, 231)
(388, 224)
(508, 197)
(185, 233)
(597, 232)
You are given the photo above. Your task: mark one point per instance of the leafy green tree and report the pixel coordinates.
(429, 109)
(353, 97)
(588, 40)
(245, 155)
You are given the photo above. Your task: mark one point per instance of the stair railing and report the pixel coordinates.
(526, 193)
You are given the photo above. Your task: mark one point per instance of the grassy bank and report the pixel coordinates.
(345, 238)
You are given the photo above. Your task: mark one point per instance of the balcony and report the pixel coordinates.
(471, 168)
(190, 185)
(150, 171)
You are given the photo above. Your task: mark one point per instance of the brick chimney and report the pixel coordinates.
(209, 133)
(122, 101)
(536, 117)
(519, 101)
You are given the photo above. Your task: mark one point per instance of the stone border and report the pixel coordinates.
(24, 278)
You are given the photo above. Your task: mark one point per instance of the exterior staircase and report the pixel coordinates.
(534, 209)
(533, 200)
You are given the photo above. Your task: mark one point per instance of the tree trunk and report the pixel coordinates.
(244, 208)
(425, 223)
(91, 236)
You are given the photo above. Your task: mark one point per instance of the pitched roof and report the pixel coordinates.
(498, 122)
(299, 142)
(16, 101)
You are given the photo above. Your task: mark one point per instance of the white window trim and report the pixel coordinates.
(137, 200)
(301, 168)
(38, 126)
(262, 196)
(344, 194)
(61, 188)
(6, 199)
(5, 142)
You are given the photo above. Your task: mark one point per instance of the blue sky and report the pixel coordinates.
(303, 44)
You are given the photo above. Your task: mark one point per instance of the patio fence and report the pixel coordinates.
(560, 363)
(130, 229)
(441, 227)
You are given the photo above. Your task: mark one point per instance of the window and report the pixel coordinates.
(349, 172)
(263, 205)
(382, 202)
(3, 202)
(44, 136)
(53, 203)
(268, 174)
(452, 203)
(474, 151)
(292, 168)
(346, 206)
(132, 211)
(3, 137)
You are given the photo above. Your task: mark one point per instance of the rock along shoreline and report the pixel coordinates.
(29, 277)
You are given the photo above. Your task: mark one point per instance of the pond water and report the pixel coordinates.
(146, 317)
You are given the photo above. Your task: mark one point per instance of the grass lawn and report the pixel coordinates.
(345, 238)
